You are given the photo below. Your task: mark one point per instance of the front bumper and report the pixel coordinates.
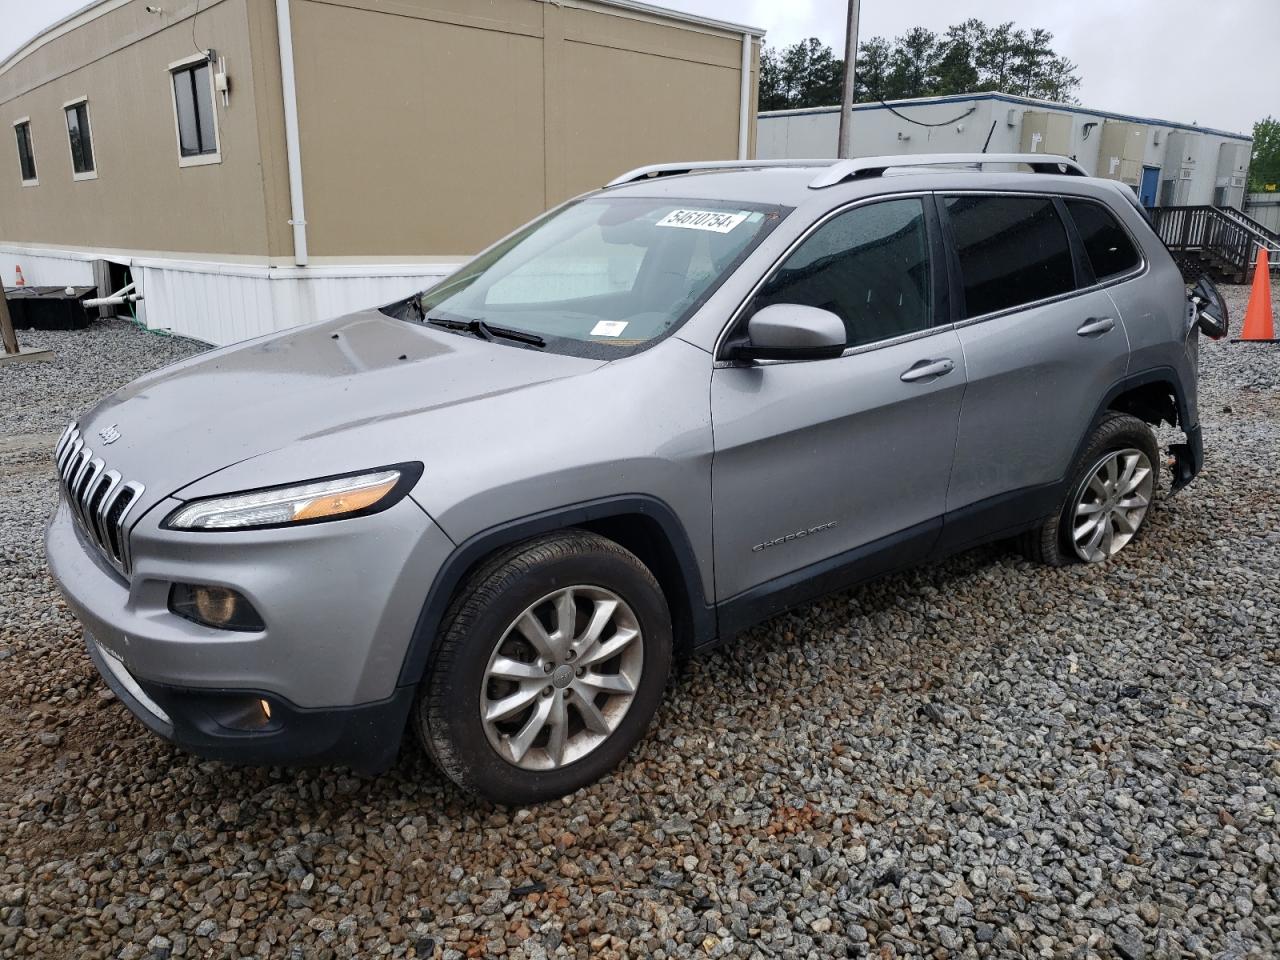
(210, 723)
(340, 602)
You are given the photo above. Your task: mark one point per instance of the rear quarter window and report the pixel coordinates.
(1107, 244)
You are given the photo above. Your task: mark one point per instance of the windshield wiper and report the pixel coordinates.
(487, 331)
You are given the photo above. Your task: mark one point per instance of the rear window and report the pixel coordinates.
(1110, 250)
(1012, 251)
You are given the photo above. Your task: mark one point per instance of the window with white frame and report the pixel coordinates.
(26, 153)
(80, 138)
(194, 112)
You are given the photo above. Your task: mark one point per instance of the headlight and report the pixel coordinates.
(332, 499)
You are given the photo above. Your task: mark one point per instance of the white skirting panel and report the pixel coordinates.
(223, 303)
(44, 269)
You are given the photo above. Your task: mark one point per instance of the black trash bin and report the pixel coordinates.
(49, 308)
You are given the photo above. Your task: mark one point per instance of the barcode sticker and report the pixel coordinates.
(714, 220)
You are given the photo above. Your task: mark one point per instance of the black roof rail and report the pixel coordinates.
(656, 170)
(860, 167)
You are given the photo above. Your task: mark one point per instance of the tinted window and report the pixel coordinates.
(26, 157)
(193, 99)
(81, 139)
(1110, 250)
(1013, 250)
(869, 266)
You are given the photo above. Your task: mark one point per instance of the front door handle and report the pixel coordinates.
(1096, 326)
(928, 370)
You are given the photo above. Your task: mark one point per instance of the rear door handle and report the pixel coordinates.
(928, 370)
(1096, 326)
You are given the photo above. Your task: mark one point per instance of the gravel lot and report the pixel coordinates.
(980, 758)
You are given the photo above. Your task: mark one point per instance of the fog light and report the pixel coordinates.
(250, 714)
(219, 607)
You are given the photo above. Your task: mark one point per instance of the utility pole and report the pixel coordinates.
(850, 66)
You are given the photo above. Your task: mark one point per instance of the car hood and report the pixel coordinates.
(186, 421)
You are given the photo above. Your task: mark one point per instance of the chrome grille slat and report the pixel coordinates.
(69, 457)
(78, 469)
(108, 497)
(63, 441)
(100, 499)
(121, 539)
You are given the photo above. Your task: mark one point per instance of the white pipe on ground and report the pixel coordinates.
(113, 301)
(292, 142)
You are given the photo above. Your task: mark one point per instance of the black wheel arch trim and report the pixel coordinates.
(476, 548)
(1188, 456)
(1162, 374)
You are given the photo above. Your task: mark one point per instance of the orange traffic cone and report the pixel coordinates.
(21, 281)
(1257, 318)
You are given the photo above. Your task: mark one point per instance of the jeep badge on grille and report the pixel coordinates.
(109, 434)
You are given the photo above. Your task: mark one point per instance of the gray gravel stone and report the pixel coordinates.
(979, 758)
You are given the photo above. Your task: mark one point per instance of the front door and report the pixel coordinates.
(1150, 184)
(827, 461)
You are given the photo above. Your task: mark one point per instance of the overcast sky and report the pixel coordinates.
(1212, 62)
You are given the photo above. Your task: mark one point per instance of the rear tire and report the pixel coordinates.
(1108, 496)
(518, 708)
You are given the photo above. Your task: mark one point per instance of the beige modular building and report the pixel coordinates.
(254, 164)
(1166, 163)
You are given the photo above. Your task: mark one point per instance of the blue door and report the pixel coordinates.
(1150, 181)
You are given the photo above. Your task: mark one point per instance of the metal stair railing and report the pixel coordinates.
(1214, 235)
(1240, 216)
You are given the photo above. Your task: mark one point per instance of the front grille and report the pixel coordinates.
(100, 499)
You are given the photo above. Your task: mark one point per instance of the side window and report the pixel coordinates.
(1110, 250)
(193, 105)
(26, 154)
(1012, 250)
(81, 139)
(869, 266)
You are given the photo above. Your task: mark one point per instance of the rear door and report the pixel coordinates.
(817, 460)
(1043, 343)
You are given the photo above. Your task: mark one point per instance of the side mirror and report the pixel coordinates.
(1211, 310)
(790, 331)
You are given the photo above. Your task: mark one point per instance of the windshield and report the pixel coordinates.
(604, 276)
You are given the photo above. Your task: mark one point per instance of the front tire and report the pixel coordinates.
(551, 665)
(1109, 496)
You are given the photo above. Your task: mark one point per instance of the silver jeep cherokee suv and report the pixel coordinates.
(666, 410)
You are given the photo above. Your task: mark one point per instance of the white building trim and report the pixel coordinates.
(744, 101)
(292, 141)
(222, 301)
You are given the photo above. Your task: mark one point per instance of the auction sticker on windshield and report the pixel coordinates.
(714, 220)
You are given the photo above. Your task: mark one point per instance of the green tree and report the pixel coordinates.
(969, 57)
(805, 74)
(773, 94)
(1264, 167)
(1059, 81)
(871, 76)
(997, 57)
(957, 67)
(914, 64)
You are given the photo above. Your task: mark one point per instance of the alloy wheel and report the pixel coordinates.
(1111, 504)
(562, 677)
